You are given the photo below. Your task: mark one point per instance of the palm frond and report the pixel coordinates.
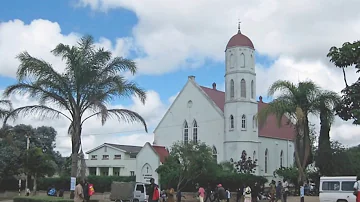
(36, 110)
(281, 85)
(278, 107)
(119, 64)
(6, 103)
(122, 115)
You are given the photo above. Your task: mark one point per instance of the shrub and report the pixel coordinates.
(43, 199)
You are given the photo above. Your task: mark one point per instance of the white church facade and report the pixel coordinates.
(223, 120)
(226, 120)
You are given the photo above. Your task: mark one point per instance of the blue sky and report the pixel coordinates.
(172, 41)
(111, 25)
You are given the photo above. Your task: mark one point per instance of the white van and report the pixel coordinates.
(337, 189)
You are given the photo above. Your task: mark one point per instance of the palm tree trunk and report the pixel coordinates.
(307, 144)
(298, 151)
(75, 138)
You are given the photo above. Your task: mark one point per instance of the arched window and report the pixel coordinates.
(254, 156)
(242, 60)
(252, 62)
(252, 89)
(232, 89)
(232, 61)
(281, 159)
(195, 131)
(231, 122)
(243, 121)
(214, 153)
(186, 132)
(266, 161)
(294, 159)
(243, 88)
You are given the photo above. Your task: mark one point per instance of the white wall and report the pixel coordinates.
(274, 147)
(126, 163)
(147, 158)
(210, 121)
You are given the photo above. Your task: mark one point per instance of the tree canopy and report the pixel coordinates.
(92, 78)
(344, 57)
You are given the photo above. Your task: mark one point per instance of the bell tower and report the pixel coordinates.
(241, 131)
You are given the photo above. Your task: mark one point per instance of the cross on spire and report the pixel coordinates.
(239, 32)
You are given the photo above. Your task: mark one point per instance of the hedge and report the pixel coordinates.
(43, 199)
(231, 181)
(101, 183)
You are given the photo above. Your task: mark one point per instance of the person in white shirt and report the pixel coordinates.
(228, 195)
(286, 189)
(357, 189)
(247, 194)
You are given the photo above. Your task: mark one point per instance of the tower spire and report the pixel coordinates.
(239, 32)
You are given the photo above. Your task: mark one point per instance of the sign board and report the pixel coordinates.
(72, 183)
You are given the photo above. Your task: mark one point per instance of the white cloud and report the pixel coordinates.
(39, 38)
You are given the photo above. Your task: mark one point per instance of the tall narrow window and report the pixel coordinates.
(252, 62)
(231, 122)
(195, 131)
(243, 88)
(254, 156)
(253, 122)
(243, 121)
(186, 132)
(266, 161)
(242, 60)
(214, 153)
(232, 90)
(252, 90)
(281, 159)
(232, 61)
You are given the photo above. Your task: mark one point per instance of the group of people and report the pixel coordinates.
(83, 191)
(279, 191)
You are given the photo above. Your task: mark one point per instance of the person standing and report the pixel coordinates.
(86, 191)
(302, 192)
(79, 192)
(228, 195)
(238, 194)
(201, 193)
(221, 193)
(208, 193)
(357, 188)
(286, 189)
(170, 195)
(153, 191)
(272, 191)
(247, 194)
(255, 192)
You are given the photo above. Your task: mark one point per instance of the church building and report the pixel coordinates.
(226, 121)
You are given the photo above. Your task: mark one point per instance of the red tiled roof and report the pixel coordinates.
(240, 40)
(270, 128)
(162, 152)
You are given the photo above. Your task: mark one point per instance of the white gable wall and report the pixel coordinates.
(147, 162)
(209, 120)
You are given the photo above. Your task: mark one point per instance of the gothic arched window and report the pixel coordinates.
(231, 122)
(281, 158)
(242, 60)
(243, 88)
(253, 122)
(243, 121)
(254, 156)
(195, 131)
(232, 89)
(252, 90)
(214, 153)
(186, 132)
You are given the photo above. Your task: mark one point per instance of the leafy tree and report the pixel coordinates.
(38, 164)
(297, 102)
(291, 174)
(186, 163)
(10, 163)
(348, 56)
(246, 164)
(91, 79)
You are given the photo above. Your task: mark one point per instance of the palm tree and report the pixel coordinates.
(297, 102)
(91, 79)
(5, 108)
(326, 103)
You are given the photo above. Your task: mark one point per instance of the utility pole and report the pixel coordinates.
(27, 161)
